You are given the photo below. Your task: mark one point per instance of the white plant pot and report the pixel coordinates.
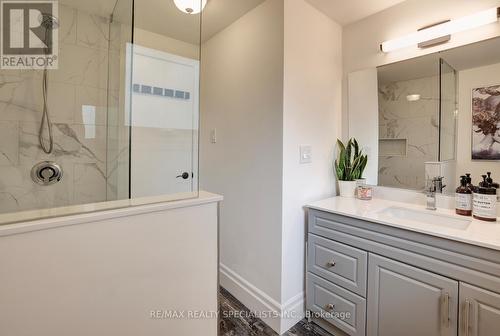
(347, 188)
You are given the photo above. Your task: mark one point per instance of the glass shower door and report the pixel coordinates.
(164, 119)
(447, 112)
(163, 96)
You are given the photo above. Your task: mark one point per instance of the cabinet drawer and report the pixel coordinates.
(341, 264)
(341, 308)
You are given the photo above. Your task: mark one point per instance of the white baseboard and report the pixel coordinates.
(279, 317)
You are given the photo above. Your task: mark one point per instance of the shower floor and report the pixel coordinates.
(233, 325)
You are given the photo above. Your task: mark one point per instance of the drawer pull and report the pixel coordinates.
(330, 307)
(331, 264)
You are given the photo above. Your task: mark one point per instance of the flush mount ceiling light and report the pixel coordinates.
(190, 6)
(439, 32)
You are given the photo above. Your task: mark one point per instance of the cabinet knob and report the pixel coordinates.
(329, 307)
(331, 264)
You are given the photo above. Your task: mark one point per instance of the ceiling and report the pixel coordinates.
(346, 12)
(163, 17)
(461, 58)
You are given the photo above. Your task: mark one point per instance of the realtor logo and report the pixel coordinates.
(29, 34)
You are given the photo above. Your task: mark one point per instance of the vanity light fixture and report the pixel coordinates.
(439, 33)
(190, 6)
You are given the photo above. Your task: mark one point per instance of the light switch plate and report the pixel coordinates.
(305, 154)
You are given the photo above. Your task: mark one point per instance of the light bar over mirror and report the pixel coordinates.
(444, 29)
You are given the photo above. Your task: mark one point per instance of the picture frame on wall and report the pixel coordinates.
(486, 123)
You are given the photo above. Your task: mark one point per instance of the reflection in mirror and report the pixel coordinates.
(408, 121)
(438, 115)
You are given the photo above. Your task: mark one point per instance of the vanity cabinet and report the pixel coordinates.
(366, 278)
(479, 311)
(405, 300)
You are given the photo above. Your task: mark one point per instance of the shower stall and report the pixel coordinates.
(116, 119)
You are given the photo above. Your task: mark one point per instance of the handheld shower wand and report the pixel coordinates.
(48, 22)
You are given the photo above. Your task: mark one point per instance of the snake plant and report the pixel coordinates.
(351, 162)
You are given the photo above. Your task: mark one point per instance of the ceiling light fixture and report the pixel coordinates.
(190, 6)
(442, 30)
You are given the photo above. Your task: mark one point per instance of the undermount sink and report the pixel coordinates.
(426, 217)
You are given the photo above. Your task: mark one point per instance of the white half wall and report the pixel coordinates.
(103, 273)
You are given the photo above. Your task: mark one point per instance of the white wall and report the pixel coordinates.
(364, 123)
(242, 97)
(468, 80)
(361, 40)
(312, 105)
(167, 44)
(270, 83)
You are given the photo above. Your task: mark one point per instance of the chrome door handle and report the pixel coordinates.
(445, 310)
(466, 317)
(330, 307)
(184, 175)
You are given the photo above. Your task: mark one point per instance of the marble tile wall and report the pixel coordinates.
(78, 105)
(417, 122)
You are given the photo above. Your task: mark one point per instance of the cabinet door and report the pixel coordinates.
(404, 300)
(479, 311)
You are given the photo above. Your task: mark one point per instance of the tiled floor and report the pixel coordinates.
(236, 322)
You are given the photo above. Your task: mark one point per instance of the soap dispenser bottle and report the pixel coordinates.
(469, 182)
(463, 198)
(494, 185)
(484, 204)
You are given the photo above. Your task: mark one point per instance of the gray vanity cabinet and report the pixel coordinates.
(405, 300)
(390, 281)
(479, 311)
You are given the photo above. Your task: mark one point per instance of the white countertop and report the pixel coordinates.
(480, 233)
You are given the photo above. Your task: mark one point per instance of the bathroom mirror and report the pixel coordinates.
(435, 115)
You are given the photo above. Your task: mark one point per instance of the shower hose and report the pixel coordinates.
(47, 148)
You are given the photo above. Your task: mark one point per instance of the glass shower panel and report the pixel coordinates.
(164, 101)
(118, 147)
(74, 133)
(448, 112)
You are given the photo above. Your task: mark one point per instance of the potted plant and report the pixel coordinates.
(349, 166)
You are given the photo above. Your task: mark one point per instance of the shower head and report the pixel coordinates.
(48, 21)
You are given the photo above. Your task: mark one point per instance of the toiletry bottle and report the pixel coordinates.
(494, 185)
(484, 203)
(463, 198)
(469, 182)
(483, 182)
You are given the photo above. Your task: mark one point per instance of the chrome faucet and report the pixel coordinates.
(436, 186)
(437, 183)
(431, 198)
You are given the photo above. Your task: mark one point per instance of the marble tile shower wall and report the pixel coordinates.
(417, 123)
(77, 101)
